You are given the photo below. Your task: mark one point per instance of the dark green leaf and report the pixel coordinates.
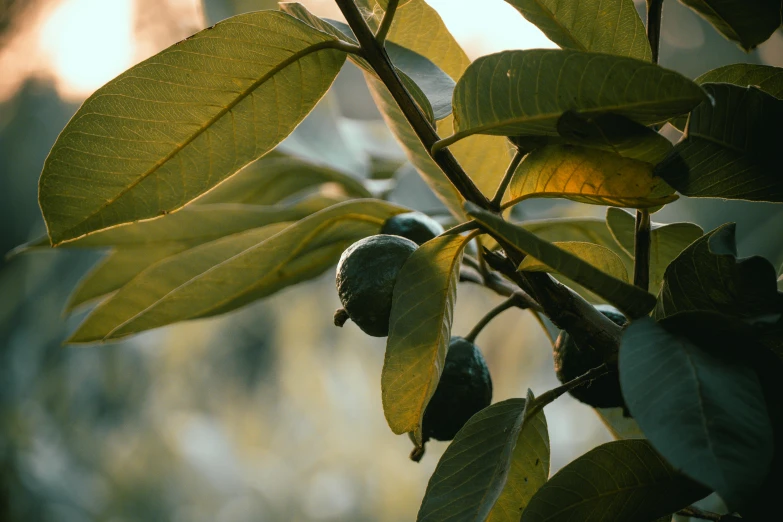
(232, 271)
(747, 22)
(631, 300)
(526, 92)
(701, 407)
(621, 481)
(730, 150)
(611, 27)
(614, 133)
(419, 331)
(177, 124)
(666, 241)
(587, 175)
(495, 464)
(708, 276)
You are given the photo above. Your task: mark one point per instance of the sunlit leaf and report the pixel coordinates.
(419, 331)
(748, 23)
(730, 149)
(708, 276)
(614, 133)
(227, 273)
(767, 78)
(495, 464)
(666, 241)
(599, 256)
(177, 124)
(703, 409)
(631, 300)
(612, 27)
(587, 176)
(621, 481)
(515, 93)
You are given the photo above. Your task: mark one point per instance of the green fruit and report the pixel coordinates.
(464, 389)
(415, 226)
(571, 361)
(365, 280)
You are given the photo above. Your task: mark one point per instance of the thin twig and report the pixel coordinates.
(388, 18)
(654, 9)
(512, 167)
(511, 302)
(376, 55)
(548, 397)
(641, 250)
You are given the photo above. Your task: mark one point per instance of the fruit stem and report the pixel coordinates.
(546, 398)
(511, 302)
(340, 317)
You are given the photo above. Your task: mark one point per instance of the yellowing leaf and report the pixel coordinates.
(599, 256)
(177, 124)
(419, 331)
(587, 176)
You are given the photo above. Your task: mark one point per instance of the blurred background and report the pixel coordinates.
(268, 413)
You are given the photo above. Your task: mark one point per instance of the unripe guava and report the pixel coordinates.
(416, 226)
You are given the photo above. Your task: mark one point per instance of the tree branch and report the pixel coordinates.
(376, 55)
(388, 18)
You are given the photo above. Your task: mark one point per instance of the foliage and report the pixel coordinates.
(175, 166)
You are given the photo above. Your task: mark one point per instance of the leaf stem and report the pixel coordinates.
(376, 56)
(549, 397)
(641, 250)
(512, 168)
(511, 302)
(388, 18)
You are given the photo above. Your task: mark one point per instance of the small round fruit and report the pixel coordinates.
(464, 389)
(416, 226)
(366, 275)
(571, 361)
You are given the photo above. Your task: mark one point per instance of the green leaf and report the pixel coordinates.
(702, 409)
(620, 481)
(516, 93)
(116, 269)
(631, 300)
(611, 27)
(419, 28)
(666, 241)
(587, 176)
(748, 23)
(175, 125)
(599, 256)
(232, 271)
(495, 464)
(767, 78)
(708, 276)
(276, 177)
(729, 149)
(614, 133)
(419, 331)
(620, 426)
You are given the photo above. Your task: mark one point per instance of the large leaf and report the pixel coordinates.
(612, 27)
(707, 276)
(767, 78)
(419, 28)
(614, 133)
(599, 256)
(621, 481)
(525, 92)
(730, 148)
(495, 464)
(116, 269)
(704, 411)
(276, 177)
(631, 300)
(227, 273)
(666, 241)
(175, 125)
(588, 176)
(419, 331)
(748, 23)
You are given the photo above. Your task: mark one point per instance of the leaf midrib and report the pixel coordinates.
(327, 44)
